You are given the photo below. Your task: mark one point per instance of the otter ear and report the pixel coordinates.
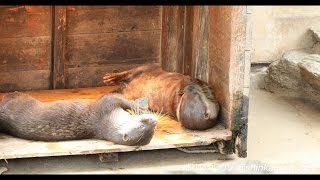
(125, 137)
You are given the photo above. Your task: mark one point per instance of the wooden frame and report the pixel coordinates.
(206, 42)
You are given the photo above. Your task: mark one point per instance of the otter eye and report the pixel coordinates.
(206, 116)
(180, 93)
(141, 126)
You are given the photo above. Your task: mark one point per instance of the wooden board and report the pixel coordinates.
(25, 21)
(21, 54)
(169, 133)
(25, 41)
(112, 48)
(103, 19)
(24, 80)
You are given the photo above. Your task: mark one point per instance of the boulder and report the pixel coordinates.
(310, 70)
(288, 75)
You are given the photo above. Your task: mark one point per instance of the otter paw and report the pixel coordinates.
(110, 78)
(148, 119)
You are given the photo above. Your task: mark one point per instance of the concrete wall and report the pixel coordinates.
(276, 29)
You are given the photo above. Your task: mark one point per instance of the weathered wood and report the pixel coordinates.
(25, 51)
(23, 54)
(169, 134)
(202, 48)
(102, 19)
(219, 57)
(25, 21)
(172, 41)
(189, 43)
(61, 94)
(112, 48)
(59, 46)
(24, 80)
(196, 44)
(92, 76)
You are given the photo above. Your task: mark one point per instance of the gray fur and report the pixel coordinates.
(105, 118)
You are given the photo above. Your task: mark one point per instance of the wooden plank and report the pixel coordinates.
(172, 40)
(62, 94)
(192, 18)
(24, 80)
(202, 48)
(219, 57)
(102, 19)
(92, 76)
(112, 48)
(169, 133)
(163, 139)
(25, 21)
(59, 46)
(29, 53)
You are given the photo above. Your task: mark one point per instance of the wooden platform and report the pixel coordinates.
(169, 133)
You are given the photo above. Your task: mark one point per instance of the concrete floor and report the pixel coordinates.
(283, 137)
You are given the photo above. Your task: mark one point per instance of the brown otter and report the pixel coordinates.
(105, 118)
(189, 100)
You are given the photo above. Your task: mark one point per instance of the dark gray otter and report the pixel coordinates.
(25, 117)
(191, 101)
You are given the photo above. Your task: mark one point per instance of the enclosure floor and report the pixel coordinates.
(168, 134)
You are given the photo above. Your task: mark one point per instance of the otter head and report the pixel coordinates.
(132, 130)
(197, 109)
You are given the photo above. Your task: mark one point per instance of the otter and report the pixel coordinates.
(190, 101)
(105, 118)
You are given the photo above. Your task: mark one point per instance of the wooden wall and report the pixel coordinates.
(45, 47)
(25, 47)
(208, 42)
(102, 39)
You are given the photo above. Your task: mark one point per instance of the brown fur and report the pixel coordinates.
(105, 118)
(191, 101)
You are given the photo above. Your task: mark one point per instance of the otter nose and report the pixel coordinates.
(206, 115)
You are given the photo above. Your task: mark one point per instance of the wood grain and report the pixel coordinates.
(59, 46)
(172, 41)
(102, 19)
(24, 80)
(25, 21)
(29, 53)
(112, 48)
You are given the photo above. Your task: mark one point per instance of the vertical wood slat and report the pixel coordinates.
(172, 41)
(189, 42)
(202, 46)
(59, 44)
(192, 58)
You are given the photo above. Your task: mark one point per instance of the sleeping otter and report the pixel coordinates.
(189, 100)
(105, 118)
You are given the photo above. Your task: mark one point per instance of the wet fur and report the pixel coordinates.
(191, 101)
(105, 118)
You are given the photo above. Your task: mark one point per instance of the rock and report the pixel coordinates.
(288, 75)
(315, 32)
(316, 48)
(285, 72)
(310, 70)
